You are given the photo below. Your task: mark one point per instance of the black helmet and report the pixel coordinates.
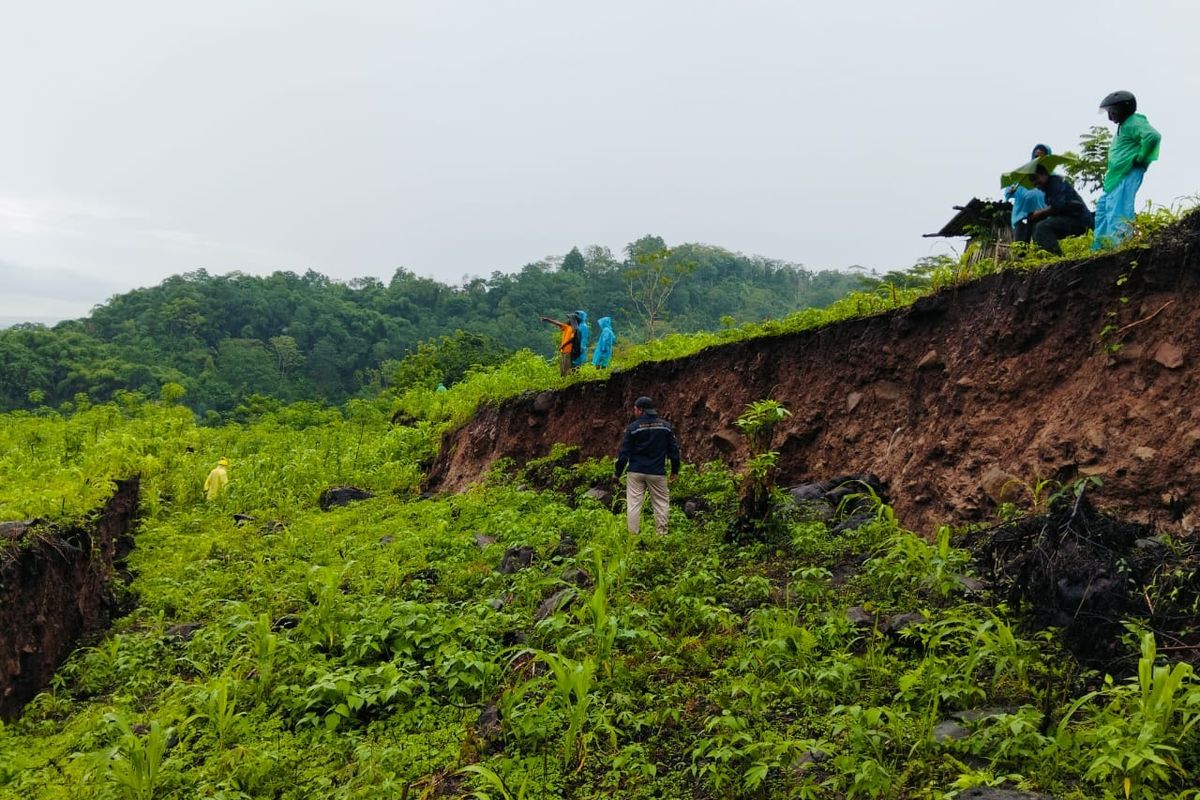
(1119, 98)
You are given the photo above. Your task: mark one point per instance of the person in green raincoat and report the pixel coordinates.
(1133, 149)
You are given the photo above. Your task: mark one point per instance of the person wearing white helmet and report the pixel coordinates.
(1133, 149)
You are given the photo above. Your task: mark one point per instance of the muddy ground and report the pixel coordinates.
(56, 587)
(1086, 368)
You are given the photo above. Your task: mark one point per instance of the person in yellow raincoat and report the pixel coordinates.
(217, 480)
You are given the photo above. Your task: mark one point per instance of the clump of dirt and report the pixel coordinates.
(1086, 573)
(56, 587)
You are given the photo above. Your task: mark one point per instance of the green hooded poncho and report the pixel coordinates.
(1136, 143)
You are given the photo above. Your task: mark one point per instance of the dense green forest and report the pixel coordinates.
(224, 338)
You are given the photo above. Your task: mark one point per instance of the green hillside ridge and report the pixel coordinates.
(376, 651)
(295, 337)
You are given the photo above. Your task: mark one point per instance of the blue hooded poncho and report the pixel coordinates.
(604, 344)
(1026, 201)
(585, 333)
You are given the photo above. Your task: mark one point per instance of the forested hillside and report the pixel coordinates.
(225, 338)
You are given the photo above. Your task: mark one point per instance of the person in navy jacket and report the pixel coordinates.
(648, 445)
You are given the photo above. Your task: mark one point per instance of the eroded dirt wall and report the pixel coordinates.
(1005, 378)
(55, 588)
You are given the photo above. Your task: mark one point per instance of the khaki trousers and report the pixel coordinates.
(636, 486)
(564, 363)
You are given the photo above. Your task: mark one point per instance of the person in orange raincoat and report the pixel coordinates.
(568, 344)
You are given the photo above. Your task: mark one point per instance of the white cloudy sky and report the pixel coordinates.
(142, 139)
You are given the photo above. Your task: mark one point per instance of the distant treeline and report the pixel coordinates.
(225, 338)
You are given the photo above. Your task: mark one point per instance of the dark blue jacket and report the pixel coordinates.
(649, 441)
(1062, 199)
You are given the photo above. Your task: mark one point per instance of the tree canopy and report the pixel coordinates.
(226, 338)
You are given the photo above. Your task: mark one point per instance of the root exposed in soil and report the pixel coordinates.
(1087, 573)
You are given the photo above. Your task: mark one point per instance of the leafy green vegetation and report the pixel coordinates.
(376, 651)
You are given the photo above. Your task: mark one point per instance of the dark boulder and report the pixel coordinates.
(555, 603)
(341, 496)
(183, 632)
(516, 559)
(489, 730)
(576, 577)
(602, 496)
(567, 548)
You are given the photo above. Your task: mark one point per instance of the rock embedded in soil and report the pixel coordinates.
(515, 559)
(950, 730)
(887, 391)
(555, 603)
(602, 496)
(1169, 354)
(999, 485)
(1144, 453)
(991, 793)
(566, 548)
(489, 730)
(482, 540)
(930, 360)
(183, 632)
(898, 623)
(576, 577)
(336, 496)
(860, 617)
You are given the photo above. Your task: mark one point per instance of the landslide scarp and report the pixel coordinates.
(1080, 369)
(55, 589)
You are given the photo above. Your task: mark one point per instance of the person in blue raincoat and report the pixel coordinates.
(1026, 201)
(604, 344)
(585, 333)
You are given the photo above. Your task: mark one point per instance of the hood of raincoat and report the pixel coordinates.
(605, 323)
(1036, 147)
(582, 317)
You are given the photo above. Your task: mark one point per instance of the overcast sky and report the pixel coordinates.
(144, 139)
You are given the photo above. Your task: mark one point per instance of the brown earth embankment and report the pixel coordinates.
(1086, 368)
(56, 588)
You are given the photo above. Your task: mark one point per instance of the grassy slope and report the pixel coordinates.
(349, 654)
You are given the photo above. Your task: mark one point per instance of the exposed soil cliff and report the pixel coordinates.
(55, 588)
(1009, 377)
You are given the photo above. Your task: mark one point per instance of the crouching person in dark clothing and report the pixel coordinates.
(1065, 213)
(648, 444)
